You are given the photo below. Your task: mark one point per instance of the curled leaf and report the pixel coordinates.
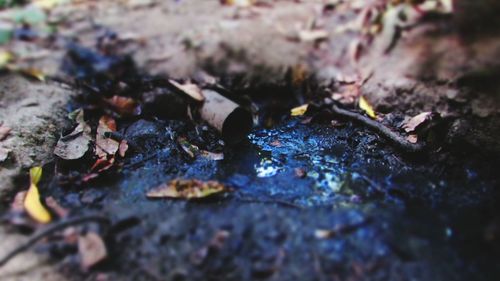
(106, 146)
(299, 111)
(238, 3)
(416, 121)
(76, 144)
(124, 105)
(92, 250)
(4, 154)
(123, 148)
(194, 151)
(4, 131)
(32, 203)
(312, 35)
(34, 73)
(187, 189)
(366, 107)
(189, 89)
(190, 149)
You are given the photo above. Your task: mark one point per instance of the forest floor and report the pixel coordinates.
(312, 197)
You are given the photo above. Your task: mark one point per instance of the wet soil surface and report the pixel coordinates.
(355, 210)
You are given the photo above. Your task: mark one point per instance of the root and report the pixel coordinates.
(47, 231)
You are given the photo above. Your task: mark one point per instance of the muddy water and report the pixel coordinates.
(389, 217)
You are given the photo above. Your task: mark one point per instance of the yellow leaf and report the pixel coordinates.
(35, 73)
(5, 58)
(32, 202)
(48, 4)
(299, 111)
(35, 175)
(366, 107)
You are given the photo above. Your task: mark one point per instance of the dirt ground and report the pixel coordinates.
(429, 69)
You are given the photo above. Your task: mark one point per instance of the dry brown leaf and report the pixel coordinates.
(189, 89)
(92, 250)
(55, 207)
(312, 35)
(412, 138)
(123, 148)
(106, 146)
(194, 151)
(4, 131)
(124, 105)
(76, 144)
(212, 155)
(4, 154)
(238, 3)
(102, 164)
(187, 189)
(416, 121)
(17, 204)
(299, 74)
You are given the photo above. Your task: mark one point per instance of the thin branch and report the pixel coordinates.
(47, 231)
(386, 132)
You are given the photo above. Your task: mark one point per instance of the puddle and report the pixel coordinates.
(345, 180)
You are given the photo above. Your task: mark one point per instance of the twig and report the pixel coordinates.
(51, 229)
(394, 137)
(269, 201)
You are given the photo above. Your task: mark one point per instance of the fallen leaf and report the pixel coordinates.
(17, 214)
(366, 107)
(312, 35)
(299, 74)
(416, 121)
(300, 173)
(92, 250)
(106, 146)
(49, 4)
(32, 203)
(238, 3)
(299, 111)
(76, 144)
(5, 58)
(124, 105)
(33, 73)
(187, 189)
(189, 89)
(17, 204)
(4, 154)
(122, 149)
(193, 150)
(412, 138)
(215, 244)
(54, 206)
(212, 155)
(102, 164)
(190, 149)
(276, 143)
(4, 131)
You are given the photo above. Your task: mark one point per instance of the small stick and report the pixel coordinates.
(394, 137)
(50, 230)
(270, 201)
